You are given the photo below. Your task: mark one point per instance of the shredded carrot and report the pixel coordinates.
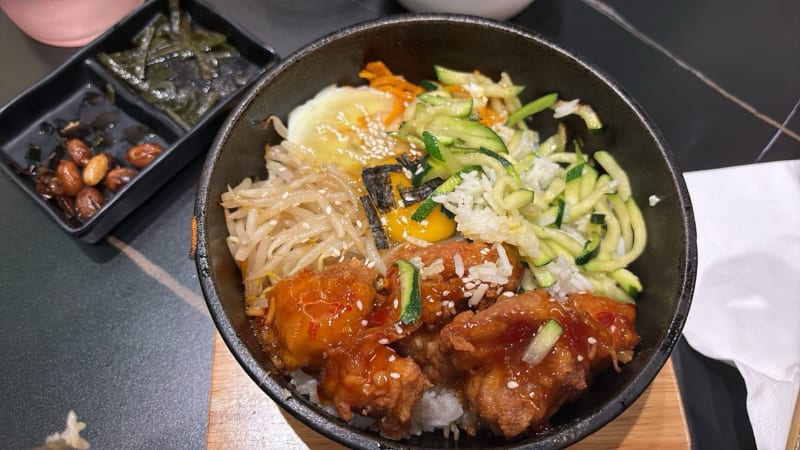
(489, 116)
(397, 109)
(456, 89)
(380, 77)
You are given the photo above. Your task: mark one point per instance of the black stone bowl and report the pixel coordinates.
(411, 45)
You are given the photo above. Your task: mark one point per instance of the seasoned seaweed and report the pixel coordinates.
(180, 67)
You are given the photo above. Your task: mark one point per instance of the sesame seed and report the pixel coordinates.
(512, 384)
(306, 226)
(591, 340)
(398, 329)
(396, 303)
(364, 323)
(470, 285)
(383, 341)
(612, 328)
(328, 210)
(580, 358)
(445, 293)
(507, 294)
(392, 358)
(359, 223)
(359, 305)
(395, 375)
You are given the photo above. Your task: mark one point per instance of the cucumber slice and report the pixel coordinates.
(435, 97)
(454, 77)
(474, 134)
(538, 105)
(490, 88)
(438, 104)
(544, 341)
(410, 296)
(432, 146)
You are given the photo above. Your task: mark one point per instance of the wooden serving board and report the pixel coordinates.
(242, 417)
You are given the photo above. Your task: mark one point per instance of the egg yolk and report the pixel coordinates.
(399, 225)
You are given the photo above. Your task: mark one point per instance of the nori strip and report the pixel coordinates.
(419, 193)
(409, 164)
(375, 226)
(376, 180)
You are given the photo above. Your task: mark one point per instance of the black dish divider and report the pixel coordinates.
(61, 95)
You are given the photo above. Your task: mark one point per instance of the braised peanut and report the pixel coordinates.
(79, 151)
(96, 170)
(141, 155)
(70, 176)
(119, 177)
(88, 201)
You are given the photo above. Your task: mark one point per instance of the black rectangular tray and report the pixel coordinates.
(66, 93)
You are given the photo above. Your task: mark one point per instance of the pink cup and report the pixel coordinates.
(66, 23)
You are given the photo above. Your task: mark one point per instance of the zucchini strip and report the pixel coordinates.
(639, 241)
(608, 248)
(609, 164)
(560, 237)
(585, 206)
(624, 219)
(538, 105)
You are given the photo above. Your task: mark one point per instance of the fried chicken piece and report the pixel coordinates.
(512, 396)
(426, 348)
(312, 312)
(370, 378)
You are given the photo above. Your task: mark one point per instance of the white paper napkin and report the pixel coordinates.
(746, 307)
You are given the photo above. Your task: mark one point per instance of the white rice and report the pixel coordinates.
(479, 217)
(568, 279)
(566, 108)
(439, 408)
(540, 175)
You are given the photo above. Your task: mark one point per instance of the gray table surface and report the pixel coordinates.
(118, 331)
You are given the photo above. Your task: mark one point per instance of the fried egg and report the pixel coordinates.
(346, 126)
